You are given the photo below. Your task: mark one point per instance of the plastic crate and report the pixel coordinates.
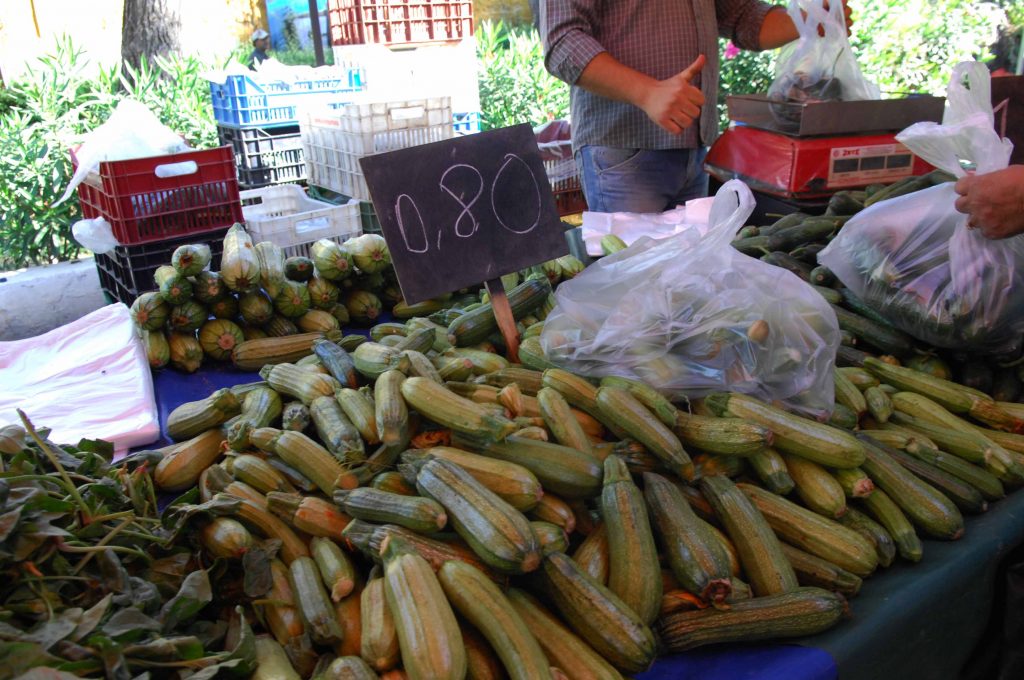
(127, 271)
(466, 123)
(399, 22)
(367, 215)
(555, 142)
(145, 201)
(284, 215)
(245, 101)
(265, 156)
(334, 140)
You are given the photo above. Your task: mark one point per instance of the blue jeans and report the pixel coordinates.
(640, 180)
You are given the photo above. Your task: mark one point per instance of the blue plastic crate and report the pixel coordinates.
(243, 102)
(466, 123)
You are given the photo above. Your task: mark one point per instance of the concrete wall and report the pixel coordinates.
(210, 29)
(39, 299)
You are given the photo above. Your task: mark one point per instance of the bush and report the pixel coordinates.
(742, 72)
(52, 107)
(514, 85)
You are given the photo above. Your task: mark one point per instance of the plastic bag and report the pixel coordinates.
(89, 378)
(912, 257)
(691, 315)
(95, 234)
(132, 131)
(818, 67)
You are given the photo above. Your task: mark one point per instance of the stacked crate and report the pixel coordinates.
(154, 205)
(259, 119)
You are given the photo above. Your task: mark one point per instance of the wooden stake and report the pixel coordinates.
(503, 313)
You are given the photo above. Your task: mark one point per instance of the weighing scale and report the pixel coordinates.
(794, 156)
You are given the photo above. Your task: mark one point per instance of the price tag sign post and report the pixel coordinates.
(465, 210)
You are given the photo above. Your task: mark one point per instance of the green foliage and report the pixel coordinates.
(514, 86)
(742, 72)
(912, 45)
(53, 107)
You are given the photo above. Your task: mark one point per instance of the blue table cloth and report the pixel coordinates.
(911, 621)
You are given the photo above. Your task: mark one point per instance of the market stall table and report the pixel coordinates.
(909, 621)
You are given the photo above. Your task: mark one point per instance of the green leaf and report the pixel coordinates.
(19, 657)
(129, 625)
(195, 593)
(97, 446)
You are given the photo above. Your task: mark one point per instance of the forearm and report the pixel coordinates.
(607, 77)
(777, 30)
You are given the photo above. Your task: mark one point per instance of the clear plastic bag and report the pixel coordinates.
(818, 67)
(912, 257)
(691, 315)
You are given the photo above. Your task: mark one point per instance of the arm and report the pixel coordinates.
(993, 202)
(753, 25)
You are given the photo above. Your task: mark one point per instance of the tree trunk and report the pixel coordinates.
(149, 27)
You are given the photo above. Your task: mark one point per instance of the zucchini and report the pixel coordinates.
(888, 514)
(816, 487)
(885, 338)
(771, 469)
(617, 406)
(874, 532)
(811, 570)
(475, 326)
(965, 496)
(800, 612)
(759, 551)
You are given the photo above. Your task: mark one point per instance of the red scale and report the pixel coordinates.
(808, 152)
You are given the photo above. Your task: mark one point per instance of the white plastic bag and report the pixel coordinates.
(95, 234)
(912, 257)
(89, 378)
(691, 315)
(132, 131)
(819, 67)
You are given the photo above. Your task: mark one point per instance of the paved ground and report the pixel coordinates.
(39, 299)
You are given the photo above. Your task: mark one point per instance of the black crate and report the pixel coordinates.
(265, 156)
(127, 271)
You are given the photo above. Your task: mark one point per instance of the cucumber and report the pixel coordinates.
(813, 229)
(789, 263)
(885, 338)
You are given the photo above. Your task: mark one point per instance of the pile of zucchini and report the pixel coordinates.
(445, 512)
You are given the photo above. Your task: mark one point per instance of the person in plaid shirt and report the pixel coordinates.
(644, 77)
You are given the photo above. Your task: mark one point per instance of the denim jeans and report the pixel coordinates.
(640, 180)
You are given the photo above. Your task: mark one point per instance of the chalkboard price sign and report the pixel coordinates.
(463, 211)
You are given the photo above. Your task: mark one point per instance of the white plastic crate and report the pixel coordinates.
(333, 141)
(286, 216)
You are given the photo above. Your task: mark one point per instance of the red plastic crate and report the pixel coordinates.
(399, 22)
(142, 206)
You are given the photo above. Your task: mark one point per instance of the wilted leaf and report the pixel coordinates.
(18, 657)
(56, 629)
(91, 618)
(129, 624)
(210, 633)
(179, 648)
(257, 579)
(40, 673)
(195, 593)
(245, 649)
(176, 517)
(8, 521)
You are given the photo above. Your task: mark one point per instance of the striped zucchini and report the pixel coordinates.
(982, 480)
(309, 514)
(481, 661)
(648, 396)
(944, 430)
(816, 487)
(483, 362)
(440, 342)
(553, 509)
(303, 454)
(359, 409)
(261, 406)
(257, 473)
(421, 367)
(335, 567)
(799, 436)
(811, 570)
(550, 537)
(633, 572)
(444, 407)
(695, 556)
(948, 394)
(512, 482)
(798, 613)
(195, 417)
(597, 615)
(335, 430)
(372, 358)
(726, 436)
(771, 469)
(226, 538)
(926, 507)
(255, 516)
(348, 667)
(854, 482)
(570, 473)
(625, 411)
(888, 514)
(392, 416)
(337, 361)
(435, 552)
(239, 265)
(428, 634)
(421, 515)
(560, 421)
(879, 404)
(529, 381)
(848, 395)
(755, 542)
(349, 615)
(475, 326)
(561, 646)
(281, 613)
(419, 341)
(964, 496)
(294, 417)
(859, 377)
(874, 532)
(481, 603)
(379, 639)
(298, 382)
(810, 531)
(180, 469)
(252, 355)
(593, 554)
(393, 481)
(496, 531)
(314, 604)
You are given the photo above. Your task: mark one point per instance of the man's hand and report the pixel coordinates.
(993, 202)
(674, 103)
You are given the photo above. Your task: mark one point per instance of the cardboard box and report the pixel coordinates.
(834, 117)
